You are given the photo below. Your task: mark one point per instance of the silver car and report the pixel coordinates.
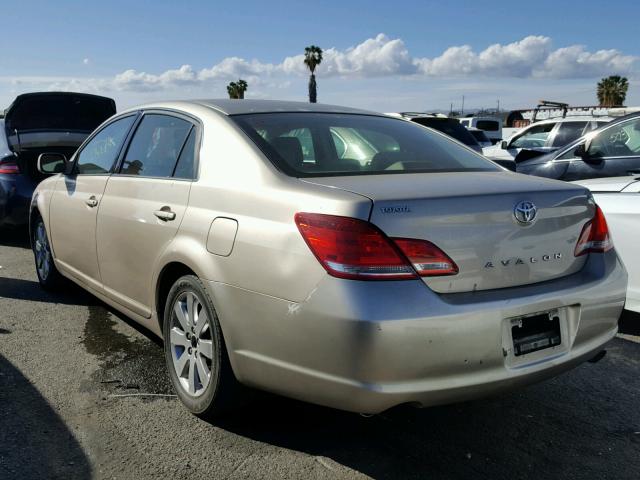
(333, 255)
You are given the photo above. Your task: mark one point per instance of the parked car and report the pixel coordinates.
(619, 198)
(444, 124)
(235, 230)
(480, 136)
(491, 126)
(35, 123)
(610, 151)
(543, 137)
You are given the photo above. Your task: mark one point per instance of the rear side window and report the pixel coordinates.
(154, 149)
(488, 125)
(186, 161)
(100, 153)
(347, 144)
(567, 133)
(534, 137)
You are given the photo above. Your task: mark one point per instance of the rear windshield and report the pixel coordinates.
(327, 144)
(59, 112)
(448, 126)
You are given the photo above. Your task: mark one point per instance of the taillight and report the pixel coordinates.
(427, 259)
(595, 236)
(8, 165)
(356, 249)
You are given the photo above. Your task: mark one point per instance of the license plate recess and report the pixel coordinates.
(535, 332)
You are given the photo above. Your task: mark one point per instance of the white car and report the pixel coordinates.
(619, 198)
(544, 136)
(491, 126)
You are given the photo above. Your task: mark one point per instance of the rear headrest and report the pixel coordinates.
(290, 149)
(383, 160)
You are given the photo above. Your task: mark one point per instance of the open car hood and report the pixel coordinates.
(58, 111)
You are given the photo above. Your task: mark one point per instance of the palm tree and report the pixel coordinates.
(237, 89)
(312, 58)
(612, 91)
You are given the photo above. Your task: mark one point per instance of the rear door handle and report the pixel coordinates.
(92, 201)
(165, 214)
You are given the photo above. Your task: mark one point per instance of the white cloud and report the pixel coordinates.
(380, 61)
(576, 62)
(531, 57)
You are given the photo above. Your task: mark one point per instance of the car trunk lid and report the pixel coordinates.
(52, 122)
(470, 216)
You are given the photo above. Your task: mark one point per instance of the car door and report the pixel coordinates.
(143, 204)
(76, 200)
(615, 151)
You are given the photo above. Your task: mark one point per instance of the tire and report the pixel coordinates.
(192, 349)
(48, 275)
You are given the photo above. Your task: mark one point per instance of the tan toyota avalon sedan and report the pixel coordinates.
(332, 255)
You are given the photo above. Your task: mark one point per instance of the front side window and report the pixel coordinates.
(154, 149)
(622, 140)
(100, 153)
(534, 137)
(346, 144)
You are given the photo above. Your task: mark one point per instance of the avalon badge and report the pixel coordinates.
(525, 212)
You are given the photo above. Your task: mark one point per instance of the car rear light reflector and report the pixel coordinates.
(352, 248)
(427, 259)
(9, 166)
(595, 236)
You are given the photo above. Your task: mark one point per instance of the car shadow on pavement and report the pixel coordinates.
(34, 441)
(583, 424)
(15, 237)
(629, 323)
(19, 289)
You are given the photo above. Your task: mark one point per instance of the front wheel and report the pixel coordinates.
(48, 275)
(195, 351)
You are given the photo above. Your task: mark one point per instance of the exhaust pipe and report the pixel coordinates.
(598, 356)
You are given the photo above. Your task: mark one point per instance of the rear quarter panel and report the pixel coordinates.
(268, 256)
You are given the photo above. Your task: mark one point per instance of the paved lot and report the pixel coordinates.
(72, 375)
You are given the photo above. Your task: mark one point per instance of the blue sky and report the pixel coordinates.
(381, 55)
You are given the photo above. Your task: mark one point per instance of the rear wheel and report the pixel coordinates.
(48, 274)
(195, 351)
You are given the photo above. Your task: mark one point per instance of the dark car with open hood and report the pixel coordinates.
(37, 123)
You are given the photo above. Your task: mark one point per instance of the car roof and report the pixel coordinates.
(227, 106)
(573, 118)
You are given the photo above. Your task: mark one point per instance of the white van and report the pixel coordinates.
(492, 126)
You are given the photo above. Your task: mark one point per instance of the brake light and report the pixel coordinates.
(427, 259)
(9, 166)
(595, 236)
(351, 248)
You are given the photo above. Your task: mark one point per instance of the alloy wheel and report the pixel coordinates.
(42, 251)
(191, 343)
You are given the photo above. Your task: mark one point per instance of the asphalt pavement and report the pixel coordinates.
(84, 394)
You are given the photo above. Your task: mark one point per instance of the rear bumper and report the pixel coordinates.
(15, 198)
(368, 346)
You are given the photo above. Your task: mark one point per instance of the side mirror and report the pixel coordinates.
(51, 163)
(504, 144)
(580, 151)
